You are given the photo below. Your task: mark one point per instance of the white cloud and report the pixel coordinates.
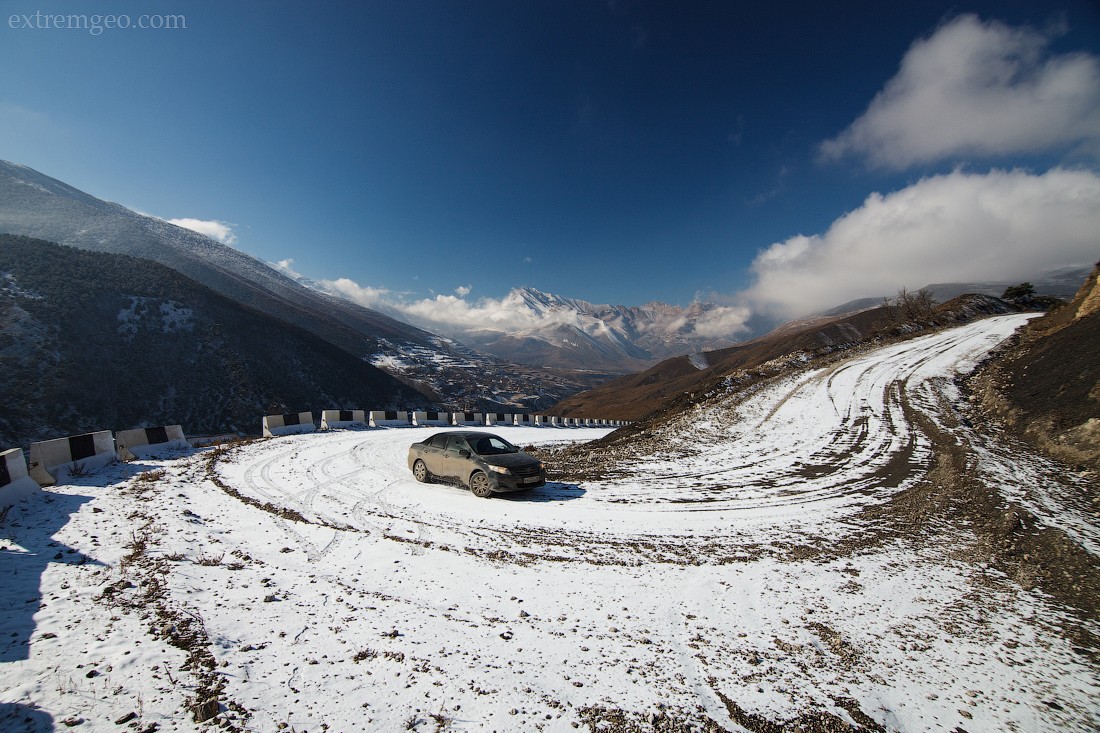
(1004, 225)
(365, 296)
(722, 322)
(456, 313)
(219, 230)
(975, 88)
(443, 313)
(287, 268)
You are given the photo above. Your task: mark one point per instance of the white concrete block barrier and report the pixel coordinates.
(290, 423)
(523, 420)
(553, 421)
(389, 419)
(499, 418)
(146, 442)
(343, 419)
(51, 460)
(15, 483)
(432, 419)
(467, 418)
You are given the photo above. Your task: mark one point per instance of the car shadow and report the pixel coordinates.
(27, 548)
(548, 492)
(24, 718)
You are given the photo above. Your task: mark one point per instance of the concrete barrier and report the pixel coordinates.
(569, 422)
(52, 459)
(15, 483)
(499, 418)
(290, 423)
(389, 419)
(343, 419)
(432, 419)
(522, 419)
(145, 442)
(554, 421)
(467, 418)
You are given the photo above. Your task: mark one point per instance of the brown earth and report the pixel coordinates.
(1044, 383)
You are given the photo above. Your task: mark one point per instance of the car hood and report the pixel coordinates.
(510, 460)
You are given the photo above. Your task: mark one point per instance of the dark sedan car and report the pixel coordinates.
(485, 462)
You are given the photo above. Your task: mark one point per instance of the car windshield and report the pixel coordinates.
(491, 445)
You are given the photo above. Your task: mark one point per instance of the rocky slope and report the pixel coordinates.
(1045, 384)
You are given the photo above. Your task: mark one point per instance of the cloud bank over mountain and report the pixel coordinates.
(1002, 225)
(525, 310)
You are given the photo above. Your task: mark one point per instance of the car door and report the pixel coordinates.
(432, 454)
(454, 463)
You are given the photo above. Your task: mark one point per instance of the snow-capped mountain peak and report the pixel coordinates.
(573, 332)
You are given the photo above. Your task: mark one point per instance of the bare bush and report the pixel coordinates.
(210, 561)
(911, 309)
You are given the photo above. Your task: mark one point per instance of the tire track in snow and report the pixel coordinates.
(835, 435)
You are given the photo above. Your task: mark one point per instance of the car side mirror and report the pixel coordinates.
(464, 453)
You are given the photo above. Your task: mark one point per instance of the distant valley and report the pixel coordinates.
(438, 371)
(562, 349)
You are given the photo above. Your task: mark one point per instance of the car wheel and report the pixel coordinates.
(420, 472)
(479, 484)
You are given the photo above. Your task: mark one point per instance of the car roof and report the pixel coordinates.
(468, 433)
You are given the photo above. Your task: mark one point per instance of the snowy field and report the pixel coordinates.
(309, 583)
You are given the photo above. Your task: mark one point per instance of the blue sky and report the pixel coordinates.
(618, 152)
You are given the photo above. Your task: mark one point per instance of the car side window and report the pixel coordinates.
(439, 441)
(456, 444)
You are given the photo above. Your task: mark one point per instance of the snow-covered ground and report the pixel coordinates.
(308, 583)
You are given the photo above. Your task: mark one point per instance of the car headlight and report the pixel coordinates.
(499, 469)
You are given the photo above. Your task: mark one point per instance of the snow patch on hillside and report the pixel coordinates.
(167, 316)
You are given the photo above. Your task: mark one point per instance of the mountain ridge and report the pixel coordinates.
(556, 330)
(35, 205)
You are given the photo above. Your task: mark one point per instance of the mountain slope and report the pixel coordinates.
(1045, 384)
(92, 341)
(635, 395)
(35, 205)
